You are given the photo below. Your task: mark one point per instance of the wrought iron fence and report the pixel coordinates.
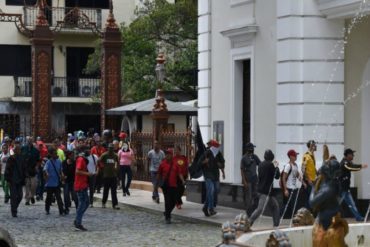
(142, 143)
(69, 16)
(61, 87)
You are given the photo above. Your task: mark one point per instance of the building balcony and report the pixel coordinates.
(68, 19)
(61, 87)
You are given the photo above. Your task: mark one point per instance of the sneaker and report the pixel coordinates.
(47, 212)
(6, 199)
(157, 200)
(98, 192)
(37, 198)
(66, 211)
(116, 207)
(168, 221)
(360, 219)
(212, 212)
(27, 203)
(205, 211)
(124, 194)
(33, 200)
(14, 215)
(178, 205)
(103, 205)
(128, 193)
(80, 228)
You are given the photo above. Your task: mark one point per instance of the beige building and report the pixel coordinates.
(279, 73)
(74, 93)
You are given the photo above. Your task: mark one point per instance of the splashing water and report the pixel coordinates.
(294, 207)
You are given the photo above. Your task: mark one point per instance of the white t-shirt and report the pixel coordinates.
(93, 162)
(3, 160)
(291, 182)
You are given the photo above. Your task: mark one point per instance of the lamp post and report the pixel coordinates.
(160, 112)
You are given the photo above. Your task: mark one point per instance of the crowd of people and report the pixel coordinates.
(258, 178)
(67, 173)
(73, 171)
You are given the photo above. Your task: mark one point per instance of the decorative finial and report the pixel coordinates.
(111, 22)
(41, 18)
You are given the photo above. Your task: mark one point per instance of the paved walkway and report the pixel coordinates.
(190, 211)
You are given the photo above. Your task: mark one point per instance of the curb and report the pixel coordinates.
(175, 216)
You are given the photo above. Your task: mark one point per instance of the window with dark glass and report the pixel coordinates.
(99, 4)
(17, 62)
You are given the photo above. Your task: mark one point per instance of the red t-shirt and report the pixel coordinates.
(98, 151)
(81, 181)
(163, 170)
(182, 162)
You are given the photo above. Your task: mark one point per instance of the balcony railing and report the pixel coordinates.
(71, 18)
(61, 87)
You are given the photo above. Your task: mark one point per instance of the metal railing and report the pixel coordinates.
(61, 87)
(70, 17)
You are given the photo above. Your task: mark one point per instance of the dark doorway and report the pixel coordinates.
(82, 122)
(77, 58)
(246, 102)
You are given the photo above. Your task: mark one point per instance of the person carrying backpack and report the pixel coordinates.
(288, 183)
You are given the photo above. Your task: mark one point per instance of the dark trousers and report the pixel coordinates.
(289, 204)
(68, 194)
(99, 181)
(170, 197)
(251, 198)
(180, 193)
(40, 184)
(16, 195)
(110, 183)
(126, 170)
(92, 182)
(50, 191)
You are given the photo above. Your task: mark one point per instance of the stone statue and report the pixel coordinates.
(324, 199)
(241, 225)
(278, 239)
(303, 217)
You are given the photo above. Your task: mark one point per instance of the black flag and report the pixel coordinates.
(195, 169)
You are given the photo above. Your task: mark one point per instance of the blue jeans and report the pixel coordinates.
(347, 197)
(211, 187)
(153, 175)
(126, 170)
(83, 204)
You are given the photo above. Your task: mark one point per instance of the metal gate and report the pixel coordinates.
(142, 143)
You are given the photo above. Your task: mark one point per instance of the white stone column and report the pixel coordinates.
(204, 66)
(310, 79)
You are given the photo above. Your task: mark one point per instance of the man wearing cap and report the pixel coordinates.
(212, 161)
(347, 167)
(170, 174)
(289, 178)
(248, 169)
(309, 168)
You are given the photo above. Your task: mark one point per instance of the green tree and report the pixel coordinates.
(159, 26)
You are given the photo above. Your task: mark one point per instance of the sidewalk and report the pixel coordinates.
(142, 199)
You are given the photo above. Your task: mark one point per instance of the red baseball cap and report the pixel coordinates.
(213, 143)
(122, 135)
(169, 151)
(292, 152)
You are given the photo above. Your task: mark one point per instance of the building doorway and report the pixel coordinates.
(246, 70)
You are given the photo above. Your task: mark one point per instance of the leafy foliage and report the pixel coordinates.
(159, 26)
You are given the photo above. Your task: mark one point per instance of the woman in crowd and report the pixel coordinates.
(126, 157)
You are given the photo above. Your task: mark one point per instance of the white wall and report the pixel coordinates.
(310, 79)
(178, 120)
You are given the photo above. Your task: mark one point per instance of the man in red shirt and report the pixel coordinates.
(182, 162)
(80, 185)
(98, 150)
(169, 174)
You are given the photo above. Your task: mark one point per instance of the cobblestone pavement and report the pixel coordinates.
(107, 227)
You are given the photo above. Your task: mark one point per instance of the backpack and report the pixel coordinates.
(281, 176)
